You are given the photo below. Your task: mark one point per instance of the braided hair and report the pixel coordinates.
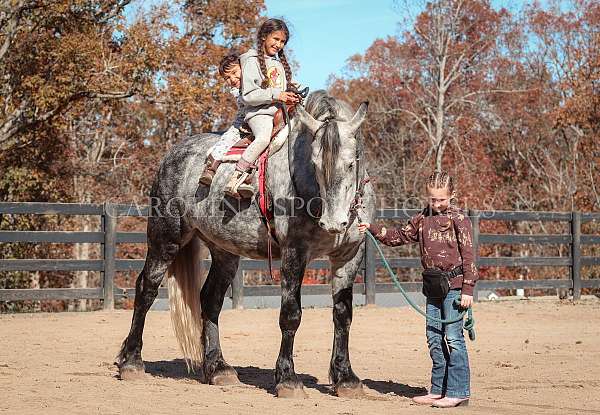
(268, 27)
(441, 180)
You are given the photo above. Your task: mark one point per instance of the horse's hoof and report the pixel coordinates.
(225, 379)
(286, 391)
(132, 373)
(352, 391)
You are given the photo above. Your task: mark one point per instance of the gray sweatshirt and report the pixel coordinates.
(258, 100)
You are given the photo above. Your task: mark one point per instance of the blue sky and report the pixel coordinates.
(325, 33)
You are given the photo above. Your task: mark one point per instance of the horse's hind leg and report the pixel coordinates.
(345, 382)
(161, 253)
(222, 271)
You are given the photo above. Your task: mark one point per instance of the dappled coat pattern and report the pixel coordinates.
(438, 242)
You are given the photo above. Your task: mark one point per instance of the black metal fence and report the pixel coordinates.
(108, 237)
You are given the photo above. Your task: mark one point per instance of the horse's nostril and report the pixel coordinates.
(344, 224)
(322, 224)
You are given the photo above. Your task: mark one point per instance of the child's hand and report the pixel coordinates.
(363, 227)
(466, 301)
(288, 98)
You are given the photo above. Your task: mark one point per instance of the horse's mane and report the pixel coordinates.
(325, 108)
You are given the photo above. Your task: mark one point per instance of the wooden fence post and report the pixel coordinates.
(576, 254)
(370, 283)
(474, 214)
(237, 290)
(109, 217)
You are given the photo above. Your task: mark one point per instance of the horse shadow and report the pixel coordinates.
(248, 375)
(172, 369)
(399, 389)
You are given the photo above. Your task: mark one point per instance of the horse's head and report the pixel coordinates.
(335, 130)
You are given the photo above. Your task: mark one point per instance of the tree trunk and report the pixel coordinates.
(81, 251)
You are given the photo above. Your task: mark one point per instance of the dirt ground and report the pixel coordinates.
(531, 357)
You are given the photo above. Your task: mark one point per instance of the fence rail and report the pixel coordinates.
(108, 237)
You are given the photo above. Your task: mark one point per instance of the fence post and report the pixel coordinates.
(576, 254)
(370, 283)
(110, 238)
(237, 290)
(474, 214)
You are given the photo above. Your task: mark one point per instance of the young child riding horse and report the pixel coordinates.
(265, 81)
(229, 68)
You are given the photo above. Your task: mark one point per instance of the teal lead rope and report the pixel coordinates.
(469, 324)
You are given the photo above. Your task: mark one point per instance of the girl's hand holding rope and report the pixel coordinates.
(363, 227)
(288, 98)
(466, 301)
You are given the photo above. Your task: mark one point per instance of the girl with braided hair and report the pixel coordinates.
(266, 80)
(445, 240)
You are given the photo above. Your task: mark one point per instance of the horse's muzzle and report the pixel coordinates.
(333, 228)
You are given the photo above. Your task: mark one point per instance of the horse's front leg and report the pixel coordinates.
(345, 382)
(293, 263)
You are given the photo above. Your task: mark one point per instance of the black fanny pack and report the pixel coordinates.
(436, 283)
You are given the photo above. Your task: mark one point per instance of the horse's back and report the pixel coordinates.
(180, 164)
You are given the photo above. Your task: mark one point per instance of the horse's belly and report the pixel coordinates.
(233, 226)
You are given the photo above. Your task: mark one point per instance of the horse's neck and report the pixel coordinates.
(291, 174)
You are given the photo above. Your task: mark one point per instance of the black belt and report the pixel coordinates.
(455, 272)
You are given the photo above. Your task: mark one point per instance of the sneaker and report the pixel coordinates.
(239, 185)
(450, 402)
(210, 169)
(426, 399)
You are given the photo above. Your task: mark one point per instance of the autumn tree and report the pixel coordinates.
(90, 100)
(447, 58)
(429, 86)
(544, 141)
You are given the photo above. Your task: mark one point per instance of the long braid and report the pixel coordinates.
(262, 63)
(287, 69)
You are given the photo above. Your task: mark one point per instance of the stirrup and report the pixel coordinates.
(239, 185)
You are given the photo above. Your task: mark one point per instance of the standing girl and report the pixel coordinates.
(266, 80)
(446, 245)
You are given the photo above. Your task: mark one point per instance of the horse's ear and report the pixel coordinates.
(358, 118)
(308, 120)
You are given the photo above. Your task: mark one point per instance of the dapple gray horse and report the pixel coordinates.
(313, 180)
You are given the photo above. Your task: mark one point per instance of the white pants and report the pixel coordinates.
(262, 128)
(228, 139)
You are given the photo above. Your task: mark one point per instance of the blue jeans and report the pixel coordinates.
(450, 374)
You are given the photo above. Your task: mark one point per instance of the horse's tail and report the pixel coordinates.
(185, 281)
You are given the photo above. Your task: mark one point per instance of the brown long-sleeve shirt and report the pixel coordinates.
(445, 241)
